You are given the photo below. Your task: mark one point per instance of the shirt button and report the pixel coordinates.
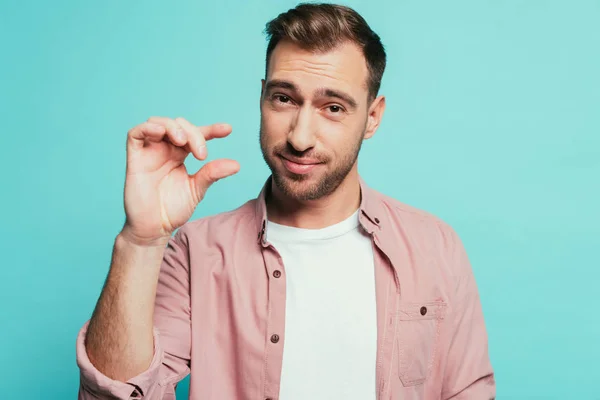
(277, 273)
(423, 310)
(275, 338)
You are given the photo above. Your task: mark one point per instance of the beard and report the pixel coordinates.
(308, 186)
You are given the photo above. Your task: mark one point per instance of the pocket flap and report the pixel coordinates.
(420, 311)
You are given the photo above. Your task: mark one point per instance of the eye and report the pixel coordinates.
(336, 109)
(281, 98)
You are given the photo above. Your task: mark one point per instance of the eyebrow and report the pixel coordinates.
(277, 83)
(324, 92)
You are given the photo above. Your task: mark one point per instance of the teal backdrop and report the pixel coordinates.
(492, 124)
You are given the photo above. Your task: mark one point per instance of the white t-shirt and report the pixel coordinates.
(330, 345)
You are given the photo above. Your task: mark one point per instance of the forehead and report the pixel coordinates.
(343, 67)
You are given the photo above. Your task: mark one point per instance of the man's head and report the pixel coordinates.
(319, 97)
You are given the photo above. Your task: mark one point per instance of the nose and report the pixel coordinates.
(302, 131)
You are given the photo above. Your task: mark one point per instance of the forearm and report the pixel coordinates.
(119, 340)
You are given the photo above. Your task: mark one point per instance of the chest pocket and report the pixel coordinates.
(418, 330)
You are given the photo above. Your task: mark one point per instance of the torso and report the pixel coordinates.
(330, 330)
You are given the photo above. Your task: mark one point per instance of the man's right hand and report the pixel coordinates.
(160, 195)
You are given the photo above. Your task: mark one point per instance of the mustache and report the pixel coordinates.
(287, 151)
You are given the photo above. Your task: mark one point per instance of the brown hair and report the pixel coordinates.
(322, 27)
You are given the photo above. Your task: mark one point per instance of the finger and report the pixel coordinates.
(196, 140)
(213, 131)
(145, 131)
(212, 172)
(175, 134)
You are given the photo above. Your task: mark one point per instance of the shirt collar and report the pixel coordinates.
(370, 216)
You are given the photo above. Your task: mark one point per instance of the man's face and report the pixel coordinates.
(314, 116)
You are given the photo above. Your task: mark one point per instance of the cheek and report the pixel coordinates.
(343, 145)
(274, 125)
(339, 137)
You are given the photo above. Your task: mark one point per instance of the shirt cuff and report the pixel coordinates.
(97, 383)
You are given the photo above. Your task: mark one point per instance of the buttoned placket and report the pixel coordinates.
(275, 333)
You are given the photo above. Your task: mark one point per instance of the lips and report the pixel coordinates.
(300, 166)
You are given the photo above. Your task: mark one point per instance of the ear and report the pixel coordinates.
(376, 110)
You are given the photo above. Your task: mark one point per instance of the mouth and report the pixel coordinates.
(299, 166)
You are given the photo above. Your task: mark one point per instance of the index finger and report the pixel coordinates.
(214, 131)
(198, 135)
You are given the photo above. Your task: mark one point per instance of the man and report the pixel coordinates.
(321, 288)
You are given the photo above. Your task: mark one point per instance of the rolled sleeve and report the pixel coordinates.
(171, 332)
(95, 385)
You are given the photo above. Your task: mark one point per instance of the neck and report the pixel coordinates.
(315, 214)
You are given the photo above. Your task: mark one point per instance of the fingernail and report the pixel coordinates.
(202, 150)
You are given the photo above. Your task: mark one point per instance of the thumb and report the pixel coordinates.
(212, 172)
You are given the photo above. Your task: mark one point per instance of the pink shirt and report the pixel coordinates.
(220, 308)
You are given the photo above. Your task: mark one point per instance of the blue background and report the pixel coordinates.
(493, 124)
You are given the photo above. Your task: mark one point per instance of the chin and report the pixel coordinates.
(301, 187)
